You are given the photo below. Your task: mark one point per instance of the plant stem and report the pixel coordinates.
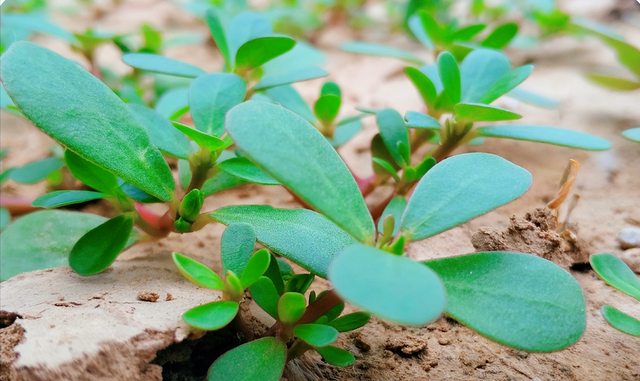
(298, 348)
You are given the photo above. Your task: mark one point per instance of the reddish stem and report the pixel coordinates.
(17, 206)
(163, 223)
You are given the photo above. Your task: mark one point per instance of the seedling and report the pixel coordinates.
(619, 276)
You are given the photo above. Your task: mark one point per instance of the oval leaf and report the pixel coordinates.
(304, 74)
(425, 87)
(506, 83)
(545, 134)
(419, 120)
(211, 316)
(265, 294)
(162, 134)
(616, 273)
(389, 286)
(394, 133)
(303, 161)
(243, 27)
(36, 171)
(211, 96)
(336, 356)
(351, 321)
(258, 51)
(519, 300)
(480, 70)
(501, 36)
(220, 38)
(621, 321)
(258, 360)
(197, 273)
(241, 167)
(450, 76)
(90, 174)
(291, 307)
(100, 246)
(461, 188)
(327, 107)
(257, 265)
(61, 198)
(202, 139)
(632, 134)
(317, 335)
(35, 77)
(478, 112)
(161, 64)
(236, 246)
(380, 50)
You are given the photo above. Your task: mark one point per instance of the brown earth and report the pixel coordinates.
(608, 185)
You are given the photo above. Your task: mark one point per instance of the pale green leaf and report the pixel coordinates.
(545, 134)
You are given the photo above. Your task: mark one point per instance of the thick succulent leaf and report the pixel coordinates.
(468, 32)
(621, 321)
(241, 167)
(173, 103)
(347, 128)
(244, 27)
(161, 64)
(36, 171)
(615, 83)
(289, 97)
(294, 153)
(394, 208)
(380, 50)
(317, 335)
(546, 134)
(479, 71)
(425, 87)
(256, 266)
(137, 193)
(204, 140)
(197, 273)
(258, 360)
(61, 198)
(336, 356)
(501, 36)
(533, 98)
(450, 76)
(479, 112)
(616, 273)
(350, 322)
(461, 188)
(275, 273)
(415, 25)
(419, 120)
(303, 55)
(162, 134)
(307, 238)
(99, 247)
(632, 134)
(35, 77)
(326, 108)
(506, 83)
(431, 71)
(220, 182)
(395, 135)
(265, 294)
(273, 80)
(211, 96)
(236, 247)
(519, 300)
(211, 316)
(261, 50)
(389, 286)
(220, 38)
(291, 307)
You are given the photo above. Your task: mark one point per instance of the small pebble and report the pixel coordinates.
(632, 258)
(629, 238)
(148, 296)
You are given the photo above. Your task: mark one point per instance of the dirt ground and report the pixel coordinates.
(608, 184)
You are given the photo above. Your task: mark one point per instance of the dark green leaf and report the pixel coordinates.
(532, 98)
(161, 132)
(211, 316)
(36, 171)
(425, 87)
(62, 198)
(395, 208)
(330, 88)
(440, 35)
(316, 335)
(220, 182)
(174, 103)
(506, 83)
(380, 50)
(501, 36)
(263, 131)
(616, 273)
(265, 294)
(389, 286)
(351, 321)
(197, 273)
(161, 64)
(211, 96)
(516, 299)
(35, 77)
(291, 307)
(244, 27)
(336, 356)
(256, 266)
(241, 167)
(621, 321)
(215, 27)
(100, 246)
(394, 133)
(468, 32)
(450, 76)
(479, 112)
(258, 360)
(632, 134)
(304, 74)
(90, 174)
(275, 274)
(615, 83)
(459, 189)
(236, 246)
(258, 51)
(479, 71)
(327, 107)
(204, 140)
(299, 283)
(545, 134)
(136, 193)
(333, 313)
(419, 120)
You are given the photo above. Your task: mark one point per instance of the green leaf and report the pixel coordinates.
(351, 321)
(220, 182)
(265, 294)
(258, 51)
(161, 132)
(425, 87)
(263, 131)
(326, 108)
(304, 74)
(459, 189)
(274, 273)
(299, 283)
(241, 167)
(616, 273)
(184, 173)
(347, 128)
(303, 55)
(501, 36)
(615, 83)
(291, 307)
(330, 88)
(479, 71)
(244, 27)
(204, 140)
(36, 23)
(136, 193)
(468, 32)
(257, 265)
(161, 64)
(289, 97)
(506, 83)
(394, 208)
(336, 356)
(415, 25)
(450, 75)
(211, 96)
(389, 286)
(217, 32)
(621, 321)
(211, 316)
(258, 360)
(519, 300)
(419, 120)
(380, 50)
(172, 103)
(545, 134)
(236, 246)
(478, 112)
(532, 98)
(36, 171)
(62, 198)
(632, 134)
(90, 174)
(197, 273)
(35, 77)
(5, 219)
(316, 335)
(394, 133)
(100, 246)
